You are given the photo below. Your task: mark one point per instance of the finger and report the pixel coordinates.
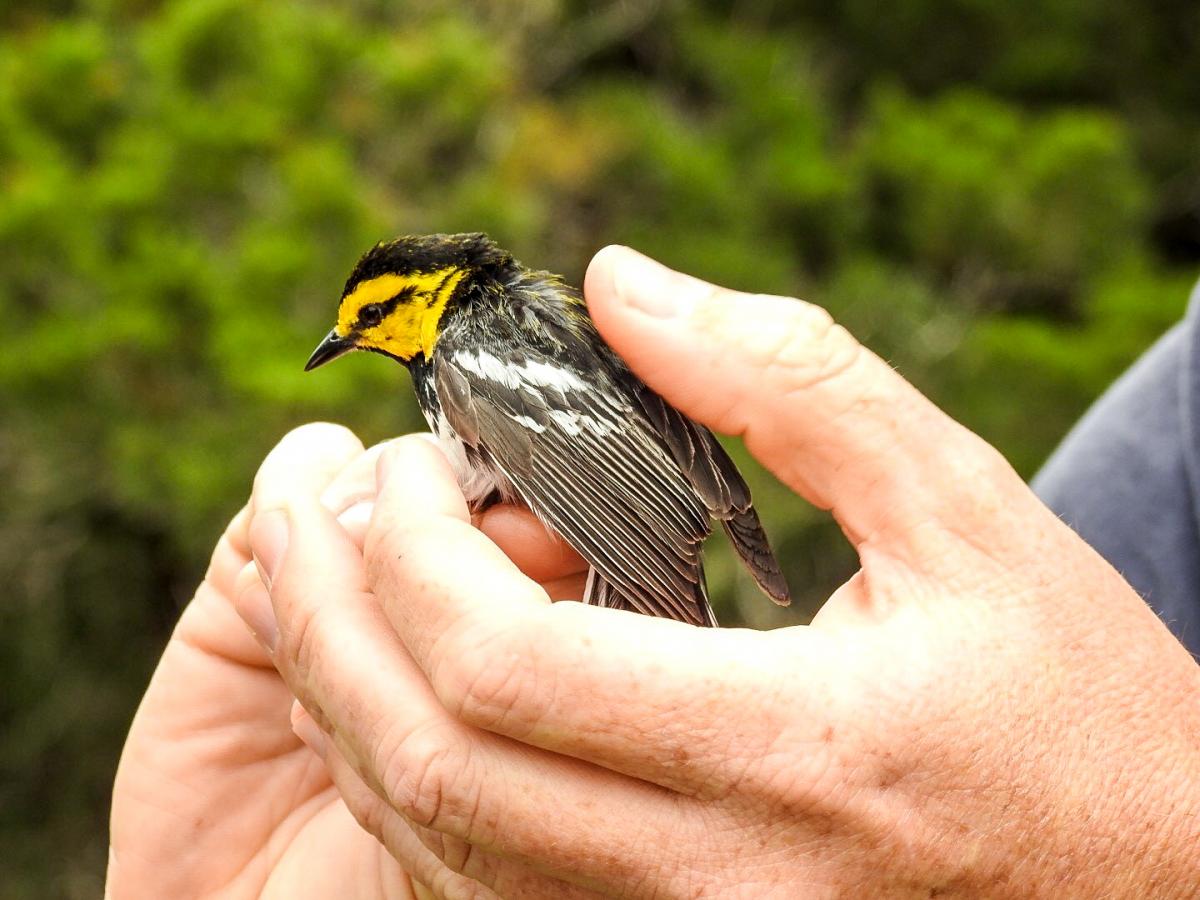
(303, 463)
(447, 864)
(825, 414)
(354, 483)
(252, 599)
(536, 551)
(252, 602)
(207, 620)
(569, 587)
(340, 657)
(421, 524)
(350, 496)
(232, 552)
(616, 689)
(515, 531)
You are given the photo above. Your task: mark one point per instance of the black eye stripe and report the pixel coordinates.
(374, 313)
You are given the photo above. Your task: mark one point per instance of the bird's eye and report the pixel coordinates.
(370, 315)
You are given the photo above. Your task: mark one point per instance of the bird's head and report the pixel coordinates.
(394, 299)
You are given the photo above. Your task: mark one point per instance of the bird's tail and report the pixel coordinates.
(746, 533)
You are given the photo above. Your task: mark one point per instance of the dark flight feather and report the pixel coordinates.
(630, 482)
(597, 478)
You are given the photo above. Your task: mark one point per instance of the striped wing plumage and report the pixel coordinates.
(627, 480)
(589, 465)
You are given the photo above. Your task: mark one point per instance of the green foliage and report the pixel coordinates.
(974, 181)
(993, 196)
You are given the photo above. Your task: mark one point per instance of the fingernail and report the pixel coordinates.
(306, 728)
(649, 286)
(254, 606)
(268, 542)
(357, 515)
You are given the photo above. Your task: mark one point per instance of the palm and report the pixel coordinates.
(215, 791)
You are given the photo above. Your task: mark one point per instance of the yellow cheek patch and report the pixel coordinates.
(412, 327)
(377, 290)
(397, 334)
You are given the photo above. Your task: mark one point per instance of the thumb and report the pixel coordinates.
(827, 416)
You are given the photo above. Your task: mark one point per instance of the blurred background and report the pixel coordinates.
(1001, 198)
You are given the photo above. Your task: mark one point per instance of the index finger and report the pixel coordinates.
(534, 549)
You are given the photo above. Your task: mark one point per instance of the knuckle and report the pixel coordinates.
(988, 466)
(808, 790)
(464, 858)
(461, 871)
(782, 763)
(371, 816)
(429, 778)
(808, 351)
(795, 346)
(994, 516)
(405, 841)
(984, 478)
(302, 638)
(449, 885)
(483, 673)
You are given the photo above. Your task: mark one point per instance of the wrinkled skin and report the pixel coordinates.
(216, 795)
(984, 709)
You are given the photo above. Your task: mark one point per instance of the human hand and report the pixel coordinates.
(984, 709)
(215, 793)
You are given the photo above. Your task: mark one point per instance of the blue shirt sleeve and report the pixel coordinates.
(1126, 477)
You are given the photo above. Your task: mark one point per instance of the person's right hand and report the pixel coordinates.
(984, 709)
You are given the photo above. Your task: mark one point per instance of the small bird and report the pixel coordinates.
(531, 406)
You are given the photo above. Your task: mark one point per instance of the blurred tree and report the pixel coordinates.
(1002, 199)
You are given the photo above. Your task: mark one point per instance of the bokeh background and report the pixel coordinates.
(1001, 198)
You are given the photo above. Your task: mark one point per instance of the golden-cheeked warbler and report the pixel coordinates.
(531, 405)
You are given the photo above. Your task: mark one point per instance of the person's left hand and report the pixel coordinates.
(215, 792)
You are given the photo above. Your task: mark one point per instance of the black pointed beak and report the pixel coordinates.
(328, 350)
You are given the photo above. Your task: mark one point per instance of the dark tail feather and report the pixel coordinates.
(750, 541)
(600, 592)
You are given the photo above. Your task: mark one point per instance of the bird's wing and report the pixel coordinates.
(585, 459)
(721, 486)
(599, 592)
